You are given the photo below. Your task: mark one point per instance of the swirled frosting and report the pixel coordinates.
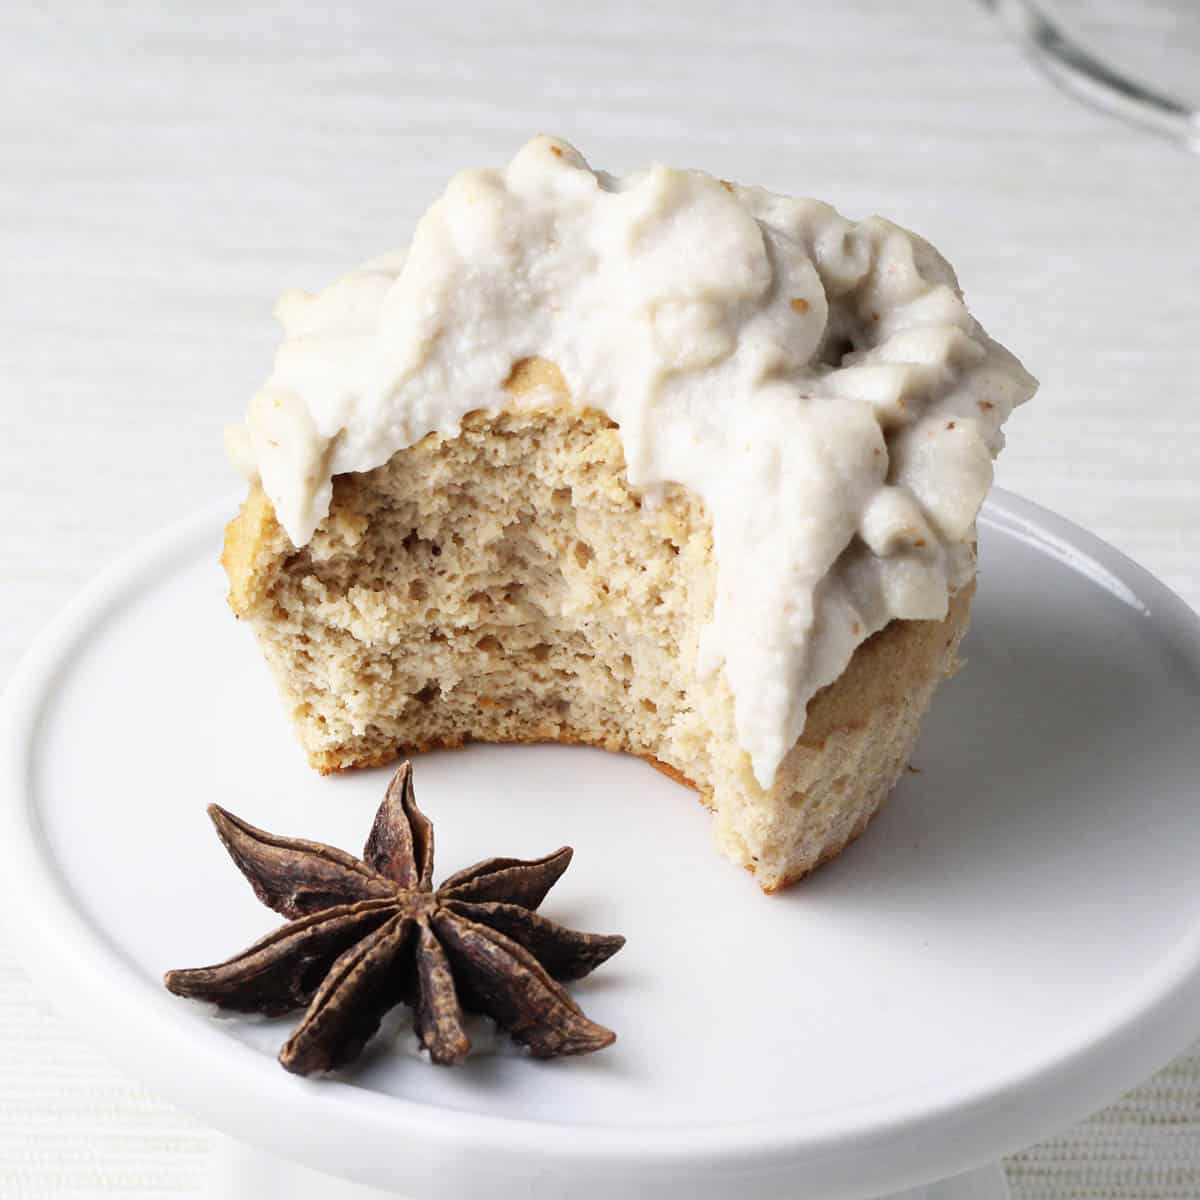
(818, 383)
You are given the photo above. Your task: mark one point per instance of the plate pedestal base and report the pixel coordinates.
(240, 1172)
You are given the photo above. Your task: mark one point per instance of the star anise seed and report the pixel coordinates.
(367, 934)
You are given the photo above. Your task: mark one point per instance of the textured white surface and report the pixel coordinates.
(169, 170)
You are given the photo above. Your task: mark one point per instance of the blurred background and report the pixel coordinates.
(169, 169)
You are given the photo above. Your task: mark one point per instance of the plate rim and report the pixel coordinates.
(889, 1143)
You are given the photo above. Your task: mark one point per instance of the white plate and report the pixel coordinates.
(1016, 939)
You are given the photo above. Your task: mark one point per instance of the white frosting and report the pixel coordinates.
(819, 384)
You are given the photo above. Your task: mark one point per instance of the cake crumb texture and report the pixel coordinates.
(507, 585)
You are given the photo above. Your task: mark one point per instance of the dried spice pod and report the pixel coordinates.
(368, 934)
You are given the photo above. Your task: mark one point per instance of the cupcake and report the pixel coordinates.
(656, 463)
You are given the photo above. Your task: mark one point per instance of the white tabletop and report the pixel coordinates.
(169, 171)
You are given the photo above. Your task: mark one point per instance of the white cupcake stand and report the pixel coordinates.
(1014, 942)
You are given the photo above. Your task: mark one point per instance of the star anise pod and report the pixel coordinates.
(367, 934)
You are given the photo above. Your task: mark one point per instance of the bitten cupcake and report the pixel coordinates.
(657, 463)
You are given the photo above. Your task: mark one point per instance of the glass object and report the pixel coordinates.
(1136, 59)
